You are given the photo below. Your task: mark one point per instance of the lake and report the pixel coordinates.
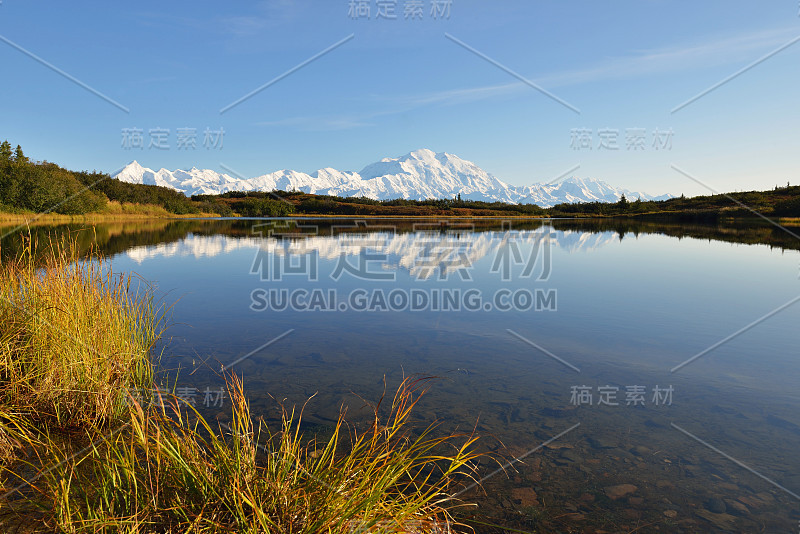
(646, 373)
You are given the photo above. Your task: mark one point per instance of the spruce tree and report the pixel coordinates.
(19, 157)
(5, 151)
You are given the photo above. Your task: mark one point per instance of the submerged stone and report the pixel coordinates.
(620, 490)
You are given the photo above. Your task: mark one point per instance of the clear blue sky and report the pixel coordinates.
(399, 85)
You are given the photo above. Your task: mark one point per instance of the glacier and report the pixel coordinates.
(418, 175)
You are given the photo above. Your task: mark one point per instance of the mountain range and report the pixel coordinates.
(418, 175)
(414, 252)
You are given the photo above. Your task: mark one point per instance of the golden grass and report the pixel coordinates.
(80, 453)
(113, 211)
(74, 336)
(13, 434)
(159, 472)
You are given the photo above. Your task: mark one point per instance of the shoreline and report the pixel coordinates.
(7, 219)
(29, 218)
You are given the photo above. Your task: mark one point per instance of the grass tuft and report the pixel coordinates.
(74, 336)
(80, 452)
(161, 473)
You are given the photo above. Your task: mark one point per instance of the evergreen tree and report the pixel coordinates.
(5, 151)
(8, 180)
(19, 157)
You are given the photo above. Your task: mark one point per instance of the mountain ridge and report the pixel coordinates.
(418, 175)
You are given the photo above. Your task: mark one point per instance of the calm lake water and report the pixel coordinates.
(662, 357)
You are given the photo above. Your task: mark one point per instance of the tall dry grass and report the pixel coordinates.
(76, 343)
(160, 473)
(14, 433)
(74, 335)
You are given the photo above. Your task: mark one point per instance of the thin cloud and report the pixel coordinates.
(461, 96)
(726, 51)
(720, 52)
(729, 50)
(268, 14)
(320, 123)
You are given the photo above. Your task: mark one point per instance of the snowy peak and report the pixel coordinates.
(133, 172)
(400, 250)
(418, 175)
(425, 174)
(133, 165)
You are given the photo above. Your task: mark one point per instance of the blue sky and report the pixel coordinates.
(402, 84)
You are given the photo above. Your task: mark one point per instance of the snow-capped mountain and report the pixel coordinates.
(419, 253)
(418, 175)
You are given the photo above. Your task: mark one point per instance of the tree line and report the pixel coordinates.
(41, 187)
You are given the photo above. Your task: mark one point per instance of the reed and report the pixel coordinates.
(74, 336)
(161, 473)
(14, 434)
